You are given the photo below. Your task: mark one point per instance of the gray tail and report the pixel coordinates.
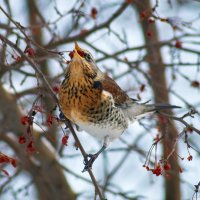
(161, 106)
(137, 111)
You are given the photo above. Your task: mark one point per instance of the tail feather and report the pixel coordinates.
(160, 106)
(136, 111)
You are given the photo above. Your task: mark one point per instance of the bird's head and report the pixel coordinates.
(82, 63)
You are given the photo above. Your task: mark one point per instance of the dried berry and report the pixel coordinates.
(195, 84)
(94, 13)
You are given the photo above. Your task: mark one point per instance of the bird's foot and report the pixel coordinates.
(88, 161)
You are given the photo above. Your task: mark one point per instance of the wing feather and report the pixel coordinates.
(120, 97)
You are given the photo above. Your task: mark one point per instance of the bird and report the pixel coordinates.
(95, 103)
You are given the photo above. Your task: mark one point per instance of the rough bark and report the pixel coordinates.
(159, 87)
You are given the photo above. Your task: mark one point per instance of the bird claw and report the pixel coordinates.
(88, 162)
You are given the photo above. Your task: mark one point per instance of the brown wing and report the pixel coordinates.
(111, 86)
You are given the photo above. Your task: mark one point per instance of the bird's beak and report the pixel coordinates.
(76, 49)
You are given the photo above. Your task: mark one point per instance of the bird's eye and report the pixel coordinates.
(88, 57)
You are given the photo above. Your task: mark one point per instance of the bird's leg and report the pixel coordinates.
(92, 157)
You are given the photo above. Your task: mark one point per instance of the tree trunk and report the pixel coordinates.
(159, 86)
(48, 176)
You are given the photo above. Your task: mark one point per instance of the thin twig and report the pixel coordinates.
(67, 122)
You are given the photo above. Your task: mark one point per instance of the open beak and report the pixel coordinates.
(76, 49)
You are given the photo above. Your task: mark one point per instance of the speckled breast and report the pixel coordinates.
(85, 105)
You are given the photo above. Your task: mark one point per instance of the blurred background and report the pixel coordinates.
(151, 49)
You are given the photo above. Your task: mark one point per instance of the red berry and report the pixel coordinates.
(178, 44)
(190, 158)
(30, 148)
(167, 166)
(14, 162)
(4, 159)
(22, 140)
(24, 120)
(157, 171)
(30, 51)
(56, 89)
(65, 140)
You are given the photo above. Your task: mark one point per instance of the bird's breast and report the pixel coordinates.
(77, 97)
(83, 104)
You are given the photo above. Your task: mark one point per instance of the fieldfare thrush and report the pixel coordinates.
(94, 102)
